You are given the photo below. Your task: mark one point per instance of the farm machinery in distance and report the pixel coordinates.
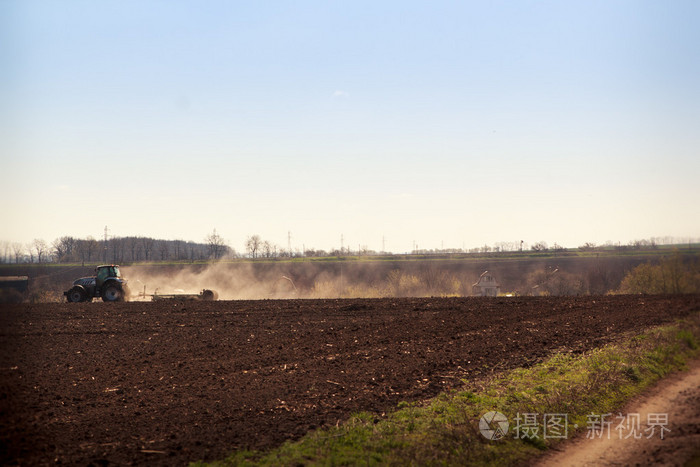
(206, 294)
(108, 284)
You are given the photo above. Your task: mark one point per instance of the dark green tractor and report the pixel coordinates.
(107, 284)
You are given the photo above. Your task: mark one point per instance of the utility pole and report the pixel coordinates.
(106, 237)
(383, 244)
(289, 242)
(341, 244)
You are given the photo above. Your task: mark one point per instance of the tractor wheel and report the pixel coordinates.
(209, 295)
(76, 295)
(112, 292)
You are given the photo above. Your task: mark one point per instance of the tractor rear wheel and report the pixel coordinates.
(112, 292)
(76, 295)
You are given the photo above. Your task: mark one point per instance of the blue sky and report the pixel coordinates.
(441, 123)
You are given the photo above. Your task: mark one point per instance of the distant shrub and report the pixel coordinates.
(556, 283)
(671, 276)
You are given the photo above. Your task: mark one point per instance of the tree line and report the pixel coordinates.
(68, 249)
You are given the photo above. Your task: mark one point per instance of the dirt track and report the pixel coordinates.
(677, 397)
(168, 383)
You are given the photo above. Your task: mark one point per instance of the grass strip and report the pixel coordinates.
(445, 430)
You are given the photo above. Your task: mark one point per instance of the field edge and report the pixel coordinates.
(445, 429)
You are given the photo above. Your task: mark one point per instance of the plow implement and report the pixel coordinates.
(205, 295)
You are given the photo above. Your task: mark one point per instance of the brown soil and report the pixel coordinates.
(172, 382)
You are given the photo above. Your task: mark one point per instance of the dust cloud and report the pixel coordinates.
(231, 283)
(255, 281)
(373, 279)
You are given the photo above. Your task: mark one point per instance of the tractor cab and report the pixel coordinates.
(106, 272)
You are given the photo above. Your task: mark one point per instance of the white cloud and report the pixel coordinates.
(338, 94)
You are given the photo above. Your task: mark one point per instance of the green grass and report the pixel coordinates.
(445, 430)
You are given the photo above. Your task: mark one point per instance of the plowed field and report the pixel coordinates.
(172, 382)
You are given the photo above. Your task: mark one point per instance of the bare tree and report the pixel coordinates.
(104, 248)
(63, 248)
(131, 247)
(164, 250)
(147, 245)
(437, 281)
(558, 248)
(540, 246)
(29, 249)
(566, 284)
(18, 250)
(91, 247)
(118, 244)
(5, 251)
(179, 250)
(191, 248)
(58, 250)
(41, 249)
(267, 249)
(601, 279)
(215, 244)
(81, 250)
(252, 245)
(588, 246)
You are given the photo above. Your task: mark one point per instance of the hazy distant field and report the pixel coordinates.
(367, 277)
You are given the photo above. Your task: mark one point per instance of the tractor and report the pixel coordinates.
(107, 284)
